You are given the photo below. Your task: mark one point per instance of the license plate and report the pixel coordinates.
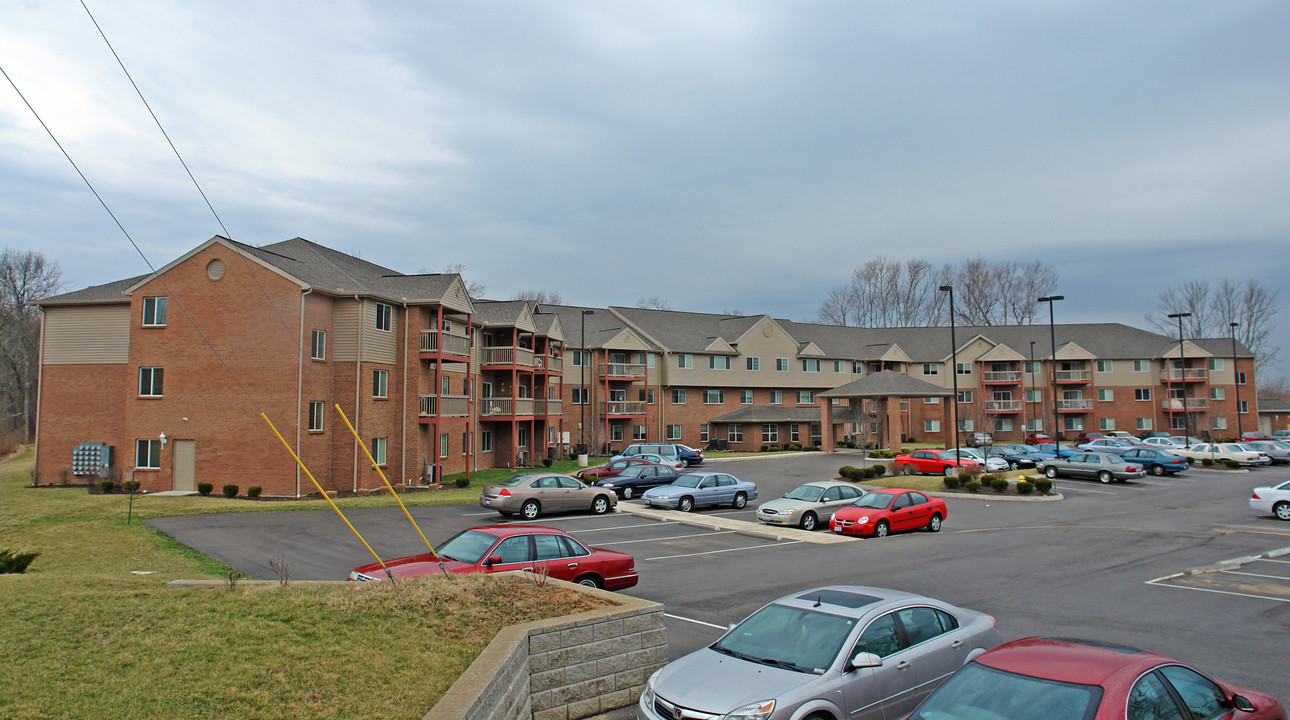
(487, 501)
(837, 529)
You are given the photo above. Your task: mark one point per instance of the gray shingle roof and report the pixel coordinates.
(779, 414)
(113, 292)
(1273, 405)
(602, 326)
(687, 332)
(887, 383)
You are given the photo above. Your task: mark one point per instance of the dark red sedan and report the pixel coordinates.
(934, 462)
(530, 548)
(611, 469)
(886, 510)
(1082, 680)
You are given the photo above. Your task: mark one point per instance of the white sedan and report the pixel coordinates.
(1223, 451)
(1166, 443)
(1272, 500)
(991, 464)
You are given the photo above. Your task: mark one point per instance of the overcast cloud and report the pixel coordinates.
(721, 155)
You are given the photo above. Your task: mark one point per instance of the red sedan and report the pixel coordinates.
(1082, 680)
(515, 547)
(887, 510)
(592, 474)
(934, 462)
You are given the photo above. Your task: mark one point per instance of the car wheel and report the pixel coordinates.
(629, 492)
(881, 529)
(530, 510)
(741, 499)
(1105, 476)
(808, 521)
(907, 470)
(949, 471)
(1281, 510)
(1157, 469)
(600, 505)
(685, 504)
(589, 581)
(934, 525)
(1051, 472)
(685, 463)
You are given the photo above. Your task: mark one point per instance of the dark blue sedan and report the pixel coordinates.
(636, 479)
(1157, 461)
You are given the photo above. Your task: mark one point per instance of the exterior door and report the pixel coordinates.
(185, 464)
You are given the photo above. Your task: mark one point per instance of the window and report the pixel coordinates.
(714, 397)
(315, 416)
(443, 442)
(318, 345)
(638, 432)
(967, 424)
(380, 383)
(965, 396)
(931, 368)
(735, 433)
(770, 432)
(147, 454)
(1103, 366)
(963, 368)
(1034, 396)
(931, 426)
(384, 317)
(838, 366)
(673, 432)
(1177, 422)
(781, 364)
(745, 397)
(776, 397)
(580, 358)
(931, 401)
(1003, 424)
(703, 432)
(857, 367)
(485, 440)
(1142, 393)
(1217, 393)
(685, 362)
(445, 387)
(1032, 367)
(154, 312)
(615, 432)
(378, 449)
(649, 360)
(1240, 378)
(1105, 395)
(794, 435)
(1106, 423)
(1215, 363)
(678, 397)
(1220, 422)
(150, 381)
(1150, 700)
(805, 397)
(579, 396)
(1144, 423)
(1035, 424)
(718, 362)
(649, 396)
(1074, 424)
(1141, 366)
(1243, 406)
(810, 366)
(752, 363)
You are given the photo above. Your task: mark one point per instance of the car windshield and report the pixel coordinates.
(874, 501)
(949, 454)
(633, 471)
(688, 480)
(512, 482)
(1028, 448)
(798, 639)
(977, 691)
(805, 493)
(467, 546)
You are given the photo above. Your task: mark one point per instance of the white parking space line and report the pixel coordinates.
(1160, 583)
(713, 552)
(1257, 575)
(672, 537)
(648, 524)
(1077, 488)
(692, 620)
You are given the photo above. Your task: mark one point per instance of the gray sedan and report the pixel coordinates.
(806, 506)
(842, 652)
(1103, 466)
(1278, 451)
(532, 494)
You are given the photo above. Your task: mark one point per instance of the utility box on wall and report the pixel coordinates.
(91, 458)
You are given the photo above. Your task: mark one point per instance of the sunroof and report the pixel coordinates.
(839, 597)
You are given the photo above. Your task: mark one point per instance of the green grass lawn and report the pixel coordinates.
(90, 629)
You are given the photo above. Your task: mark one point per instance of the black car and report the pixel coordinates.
(1156, 460)
(688, 456)
(636, 479)
(1017, 460)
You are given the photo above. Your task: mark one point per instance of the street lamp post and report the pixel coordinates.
(954, 372)
(582, 426)
(1236, 376)
(1182, 361)
(1052, 338)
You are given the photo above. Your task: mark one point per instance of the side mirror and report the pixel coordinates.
(493, 560)
(1242, 703)
(865, 660)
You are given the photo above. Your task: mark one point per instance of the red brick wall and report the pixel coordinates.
(81, 403)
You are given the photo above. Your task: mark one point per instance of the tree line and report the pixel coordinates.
(24, 276)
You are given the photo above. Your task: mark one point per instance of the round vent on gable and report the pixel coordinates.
(215, 269)
(768, 331)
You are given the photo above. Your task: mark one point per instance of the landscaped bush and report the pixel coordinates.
(106, 485)
(1229, 462)
(205, 488)
(1043, 484)
(1024, 487)
(15, 562)
(547, 462)
(130, 486)
(879, 470)
(951, 483)
(988, 479)
(1207, 462)
(462, 482)
(230, 491)
(810, 448)
(964, 477)
(849, 472)
(972, 486)
(254, 491)
(999, 484)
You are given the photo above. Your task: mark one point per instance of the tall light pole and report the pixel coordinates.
(1235, 384)
(586, 395)
(1052, 338)
(954, 372)
(1182, 360)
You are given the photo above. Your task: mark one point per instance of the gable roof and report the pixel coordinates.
(885, 384)
(687, 332)
(108, 293)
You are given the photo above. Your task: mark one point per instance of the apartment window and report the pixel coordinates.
(805, 397)
(580, 358)
(579, 396)
(967, 425)
(1217, 393)
(1074, 424)
(649, 360)
(838, 366)
(965, 397)
(485, 440)
(1240, 378)
(770, 432)
(618, 395)
(1031, 367)
(318, 345)
(1103, 366)
(638, 432)
(714, 397)
(718, 362)
(703, 432)
(857, 367)
(1035, 424)
(378, 449)
(931, 426)
(963, 368)
(678, 397)
(752, 363)
(1216, 363)
(1141, 366)
(810, 366)
(794, 434)
(150, 381)
(1243, 406)
(1220, 423)
(380, 383)
(649, 396)
(745, 397)
(673, 432)
(446, 325)
(1003, 424)
(445, 387)
(443, 442)
(781, 364)
(931, 369)
(931, 401)
(776, 397)
(384, 317)
(1178, 422)
(1034, 396)
(615, 432)
(154, 312)
(685, 362)
(465, 442)
(315, 416)
(1105, 395)
(1106, 423)
(735, 433)
(147, 454)
(1142, 393)
(1144, 423)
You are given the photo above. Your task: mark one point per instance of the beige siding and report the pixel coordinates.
(378, 345)
(345, 322)
(87, 335)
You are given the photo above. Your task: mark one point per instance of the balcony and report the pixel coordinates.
(548, 363)
(493, 408)
(622, 408)
(507, 356)
(1001, 377)
(549, 407)
(1192, 375)
(1181, 405)
(1074, 376)
(434, 342)
(1074, 405)
(624, 371)
(1002, 406)
(443, 406)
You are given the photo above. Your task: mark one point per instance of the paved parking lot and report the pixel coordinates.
(1108, 562)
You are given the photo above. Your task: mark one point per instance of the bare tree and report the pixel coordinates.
(653, 302)
(545, 297)
(474, 289)
(1252, 305)
(24, 276)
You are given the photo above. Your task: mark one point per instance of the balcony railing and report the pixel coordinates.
(443, 406)
(433, 341)
(1001, 376)
(548, 407)
(628, 370)
(1074, 375)
(1179, 404)
(508, 356)
(505, 407)
(622, 407)
(549, 363)
(1003, 406)
(1176, 374)
(1069, 404)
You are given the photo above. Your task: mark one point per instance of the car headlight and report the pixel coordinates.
(864, 520)
(790, 511)
(759, 710)
(647, 697)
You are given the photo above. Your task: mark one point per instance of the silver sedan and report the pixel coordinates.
(807, 506)
(1103, 466)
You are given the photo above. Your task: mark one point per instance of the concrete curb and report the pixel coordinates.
(1054, 497)
(1234, 563)
(740, 527)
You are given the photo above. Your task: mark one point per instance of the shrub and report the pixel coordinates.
(1229, 462)
(965, 477)
(254, 491)
(999, 484)
(988, 479)
(879, 470)
(772, 448)
(951, 483)
(972, 486)
(15, 562)
(106, 485)
(205, 488)
(810, 448)
(848, 472)
(547, 462)
(1207, 462)
(130, 486)
(1024, 487)
(875, 454)
(230, 491)
(462, 482)
(1043, 484)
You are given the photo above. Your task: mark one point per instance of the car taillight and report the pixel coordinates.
(504, 493)
(1255, 495)
(1134, 468)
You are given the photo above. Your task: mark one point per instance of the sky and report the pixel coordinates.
(719, 155)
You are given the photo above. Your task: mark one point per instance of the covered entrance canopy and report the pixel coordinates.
(883, 387)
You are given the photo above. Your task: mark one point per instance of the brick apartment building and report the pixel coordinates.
(436, 382)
